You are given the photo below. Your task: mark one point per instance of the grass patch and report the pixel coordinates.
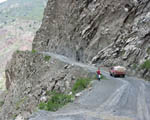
(134, 66)
(20, 102)
(42, 106)
(80, 85)
(145, 65)
(14, 116)
(1, 103)
(47, 58)
(122, 52)
(148, 50)
(18, 51)
(103, 77)
(49, 93)
(34, 51)
(57, 101)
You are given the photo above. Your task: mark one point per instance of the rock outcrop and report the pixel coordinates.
(80, 28)
(132, 46)
(30, 76)
(101, 31)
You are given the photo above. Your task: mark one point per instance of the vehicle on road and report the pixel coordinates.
(98, 74)
(117, 71)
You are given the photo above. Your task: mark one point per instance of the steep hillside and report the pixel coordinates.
(104, 31)
(30, 76)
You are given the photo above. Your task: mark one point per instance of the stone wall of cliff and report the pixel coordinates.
(81, 28)
(102, 31)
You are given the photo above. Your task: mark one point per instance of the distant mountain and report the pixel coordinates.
(19, 20)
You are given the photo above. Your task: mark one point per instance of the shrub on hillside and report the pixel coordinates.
(146, 65)
(34, 51)
(47, 58)
(80, 85)
(57, 101)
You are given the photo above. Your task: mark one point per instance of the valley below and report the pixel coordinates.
(19, 22)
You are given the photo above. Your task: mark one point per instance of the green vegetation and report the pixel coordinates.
(18, 51)
(148, 50)
(34, 51)
(122, 52)
(20, 102)
(48, 93)
(134, 66)
(1, 103)
(57, 101)
(145, 65)
(42, 106)
(80, 85)
(103, 77)
(14, 116)
(47, 58)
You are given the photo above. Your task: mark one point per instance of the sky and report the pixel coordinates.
(2, 1)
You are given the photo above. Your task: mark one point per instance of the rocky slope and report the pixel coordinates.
(101, 31)
(30, 76)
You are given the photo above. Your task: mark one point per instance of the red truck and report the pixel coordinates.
(117, 71)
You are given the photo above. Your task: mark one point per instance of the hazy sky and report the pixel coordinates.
(2, 1)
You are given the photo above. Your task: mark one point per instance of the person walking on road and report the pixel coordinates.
(99, 74)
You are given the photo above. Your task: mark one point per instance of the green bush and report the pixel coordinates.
(14, 116)
(18, 51)
(34, 51)
(80, 85)
(146, 65)
(47, 58)
(148, 50)
(1, 103)
(57, 101)
(122, 52)
(42, 106)
(50, 106)
(49, 93)
(134, 66)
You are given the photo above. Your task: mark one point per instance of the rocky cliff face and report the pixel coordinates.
(132, 46)
(101, 31)
(80, 29)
